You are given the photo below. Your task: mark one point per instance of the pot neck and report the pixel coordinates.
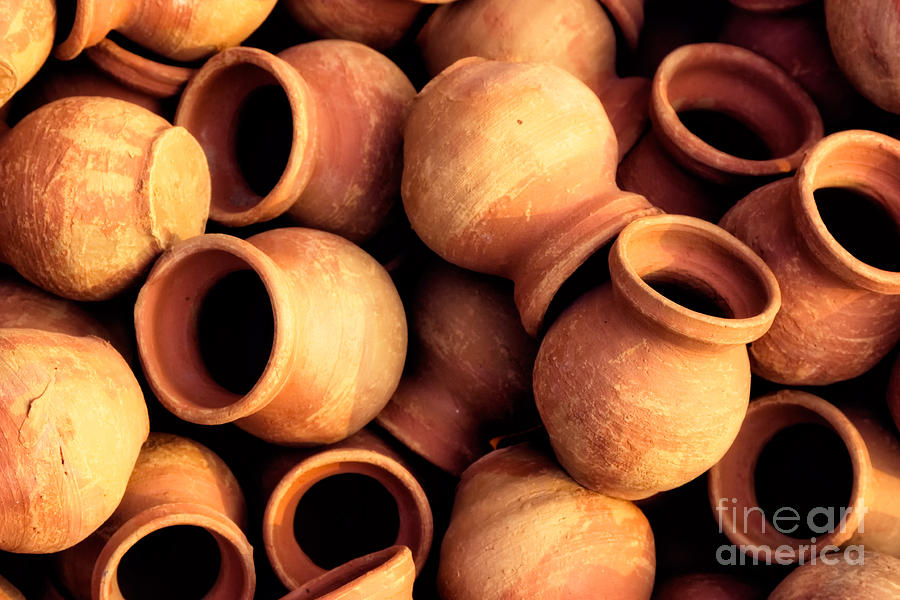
(94, 19)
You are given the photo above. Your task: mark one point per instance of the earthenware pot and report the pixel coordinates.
(332, 161)
(830, 235)
(72, 421)
(521, 528)
(27, 28)
(509, 170)
(470, 376)
(296, 335)
(384, 575)
(878, 578)
(643, 383)
(94, 189)
(629, 17)
(707, 586)
(717, 88)
(177, 483)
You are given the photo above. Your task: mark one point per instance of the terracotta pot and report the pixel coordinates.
(73, 421)
(629, 17)
(27, 28)
(470, 380)
(877, 579)
(768, 6)
(575, 35)
(8, 591)
(641, 393)
(707, 586)
(341, 159)
(384, 575)
(88, 232)
(864, 41)
(893, 397)
(319, 350)
(140, 73)
(176, 483)
(867, 519)
(682, 173)
(375, 23)
(177, 29)
(508, 170)
(521, 529)
(370, 460)
(840, 315)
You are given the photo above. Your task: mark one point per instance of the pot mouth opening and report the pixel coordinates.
(354, 570)
(74, 19)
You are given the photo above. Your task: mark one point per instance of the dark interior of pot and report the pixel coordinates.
(263, 138)
(862, 225)
(65, 18)
(725, 133)
(690, 293)
(343, 517)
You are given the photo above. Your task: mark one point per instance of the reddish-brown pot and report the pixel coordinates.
(384, 575)
(639, 393)
(840, 315)
(522, 529)
(338, 338)
(27, 28)
(893, 397)
(469, 379)
(768, 6)
(8, 591)
(176, 482)
(94, 189)
(72, 422)
(707, 586)
(137, 72)
(863, 35)
(348, 104)
(363, 454)
(878, 578)
(575, 35)
(680, 172)
(509, 170)
(871, 520)
(182, 30)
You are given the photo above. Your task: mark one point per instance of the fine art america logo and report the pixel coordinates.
(821, 521)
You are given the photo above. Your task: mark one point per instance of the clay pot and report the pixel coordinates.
(363, 460)
(140, 73)
(877, 579)
(893, 397)
(27, 28)
(864, 41)
(629, 17)
(761, 122)
(375, 23)
(768, 6)
(8, 591)
(706, 586)
(73, 421)
(643, 383)
(841, 311)
(84, 219)
(508, 170)
(384, 575)
(521, 529)
(865, 514)
(471, 376)
(316, 354)
(575, 35)
(177, 29)
(176, 484)
(341, 159)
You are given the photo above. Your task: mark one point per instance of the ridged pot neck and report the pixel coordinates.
(92, 21)
(701, 256)
(166, 315)
(384, 575)
(740, 84)
(237, 576)
(862, 161)
(210, 108)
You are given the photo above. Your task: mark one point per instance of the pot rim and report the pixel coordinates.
(139, 72)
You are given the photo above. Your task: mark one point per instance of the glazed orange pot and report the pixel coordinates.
(830, 234)
(863, 480)
(86, 232)
(177, 29)
(575, 35)
(758, 122)
(8, 591)
(315, 355)
(27, 28)
(707, 586)
(521, 528)
(864, 41)
(333, 165)
(181, 507)
(315, 495)
(643, 383)
(508, 170)
(384, 575)
(877, 579)
(893, 398)
(470, 378)
(72, 421)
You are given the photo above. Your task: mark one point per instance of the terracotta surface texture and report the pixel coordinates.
(385, 575)
(877, 579)
(26, 37)
(137, 72)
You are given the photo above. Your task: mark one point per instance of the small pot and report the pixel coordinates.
(640, 393)
(322, 343)
(28, 27)
(509, 170)
(707, 586)
(176, 482)
(384, 575)
(878, 578)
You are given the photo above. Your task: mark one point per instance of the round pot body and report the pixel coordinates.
(388, 574)
(27, 28)
(877, 579)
